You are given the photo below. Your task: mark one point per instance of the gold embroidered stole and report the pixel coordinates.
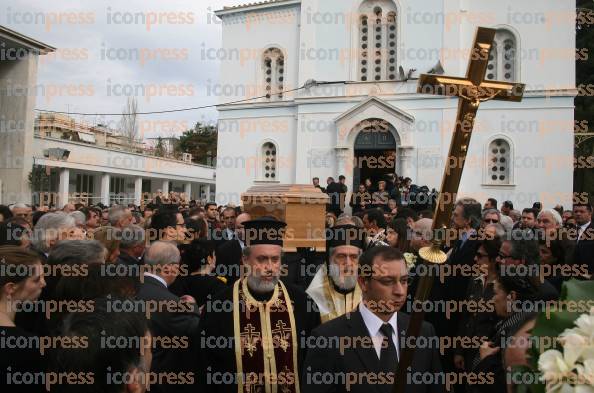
(266, 356)
(339, 303)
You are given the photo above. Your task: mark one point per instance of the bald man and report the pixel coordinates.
(421, 234)
(229, 253)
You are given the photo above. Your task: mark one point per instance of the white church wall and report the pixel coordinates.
(245, 38)
(241, 137)
(331, 28)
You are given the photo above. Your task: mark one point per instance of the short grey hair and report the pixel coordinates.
(79, 217)
(132, 236)
(47, 228)
(345, 220)
(492, 211)
(516, 215)
(162, 253)
(72, 252)
(357, 221)
(507, 223)
(115, 214)
(554, 213)
(500, 230)
(18, 206)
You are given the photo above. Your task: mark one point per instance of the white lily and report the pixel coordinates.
(553, 366)
(561, 388)
(586, 372)
(573, 345)
(585, 325)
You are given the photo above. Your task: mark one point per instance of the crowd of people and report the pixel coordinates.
(178, 295)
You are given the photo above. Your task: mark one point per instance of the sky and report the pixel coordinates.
(109, 50)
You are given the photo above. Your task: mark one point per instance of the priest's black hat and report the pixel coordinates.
(264, 230)
(345, 235)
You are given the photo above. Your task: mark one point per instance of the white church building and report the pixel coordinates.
(360, 116)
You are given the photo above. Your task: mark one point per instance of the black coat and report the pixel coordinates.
(337, 193)
(129, 260)
(200, 287)
(217, 355)
(229, 261)
(178, 324)
(453, 288)
(358, 359)
(584, 249)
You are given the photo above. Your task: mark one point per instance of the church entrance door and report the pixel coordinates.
(375, 153)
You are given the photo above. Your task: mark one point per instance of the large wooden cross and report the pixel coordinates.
(471, 91)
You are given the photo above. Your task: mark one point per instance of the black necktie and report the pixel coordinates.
(388, 354)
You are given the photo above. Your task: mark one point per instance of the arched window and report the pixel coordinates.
(268, 155)
(499, 163)
(377, 41)
(503, 57)
(274, 73)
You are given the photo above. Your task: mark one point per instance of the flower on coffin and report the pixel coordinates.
(571, 371)
(410, 259)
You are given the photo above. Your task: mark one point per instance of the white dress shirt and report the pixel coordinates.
(230, 234)
(374, 323)
(158, 278)
(582, 229)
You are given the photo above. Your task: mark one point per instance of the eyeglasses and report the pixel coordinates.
(503, 256)
(391, 282)
(491, 221)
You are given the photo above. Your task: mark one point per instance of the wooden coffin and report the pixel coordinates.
(301, 206)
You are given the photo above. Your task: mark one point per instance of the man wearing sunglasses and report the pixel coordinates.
(372, 337)
(522, 249)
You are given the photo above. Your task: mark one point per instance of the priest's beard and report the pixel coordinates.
(344, 283)
(258, 285)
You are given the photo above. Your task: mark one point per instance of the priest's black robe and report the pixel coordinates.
(217, 349)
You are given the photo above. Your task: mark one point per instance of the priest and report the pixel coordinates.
(334, 288)
(253, 335)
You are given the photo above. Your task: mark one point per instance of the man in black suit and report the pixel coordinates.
(229, 253)
(466, 219)
(335, 191)
(373, 337)
(584, 249)
(175, 322)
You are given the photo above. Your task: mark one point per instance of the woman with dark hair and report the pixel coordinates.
(480, 289)
(21, 282)
(197, 228)
(397, 235)
(201, 283)
(36, 216)
(513, 293)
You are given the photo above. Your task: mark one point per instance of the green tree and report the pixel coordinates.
(201, 143)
